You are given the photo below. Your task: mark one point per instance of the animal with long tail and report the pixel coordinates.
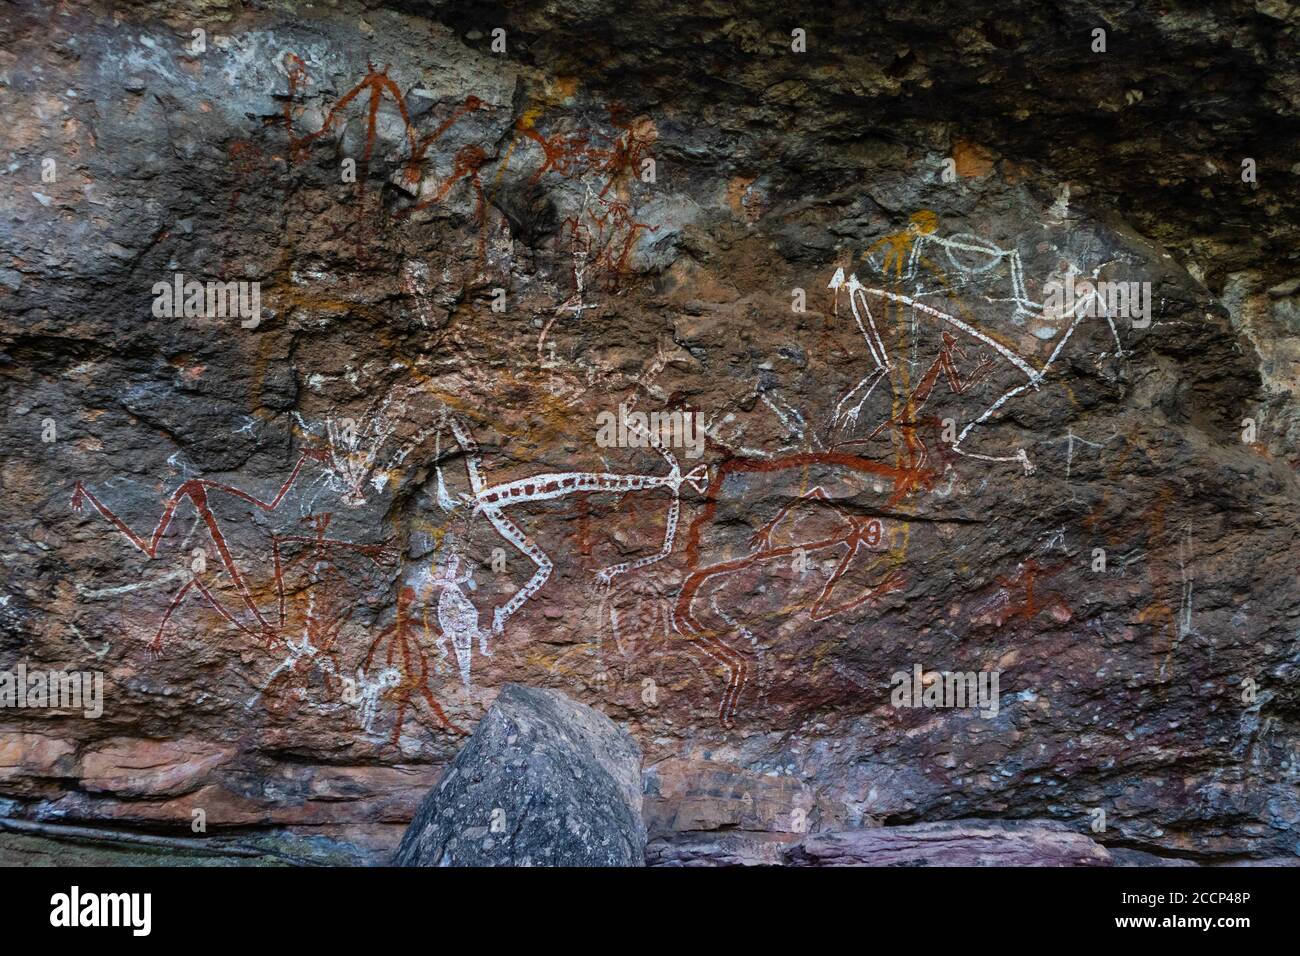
(855, 535)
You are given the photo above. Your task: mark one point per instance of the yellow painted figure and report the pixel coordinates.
(898, 247)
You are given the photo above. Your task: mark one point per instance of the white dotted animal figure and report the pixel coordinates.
(493, 500)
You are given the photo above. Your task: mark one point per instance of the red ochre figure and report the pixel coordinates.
(404, 652)
(196, 491)
(1032, 606)
(860, 533)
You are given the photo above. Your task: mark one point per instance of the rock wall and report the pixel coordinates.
(729, 387)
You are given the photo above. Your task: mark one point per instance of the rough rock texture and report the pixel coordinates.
(306, 552)
(963, 843)
(952, 844)
(544, 781)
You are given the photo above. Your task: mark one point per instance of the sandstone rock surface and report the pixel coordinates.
(306, 552)
(956, 843)
(964, 843)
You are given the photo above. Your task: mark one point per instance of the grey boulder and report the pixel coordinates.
(543, 781)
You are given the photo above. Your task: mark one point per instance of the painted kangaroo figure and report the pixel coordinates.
(856, 534)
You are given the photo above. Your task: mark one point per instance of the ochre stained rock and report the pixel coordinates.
(329, 353)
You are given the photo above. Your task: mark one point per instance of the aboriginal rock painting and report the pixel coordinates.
(246, 616)
(697, 576)
(435, 159)
(910, 282)
(375, 90)
(492, 501)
